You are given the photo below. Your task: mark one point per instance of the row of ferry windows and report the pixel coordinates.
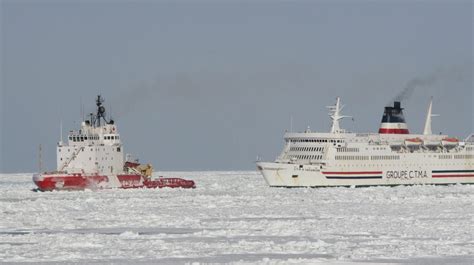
(315, 141)
(93, 137)
(347, 149)
(445, 157)
(314, 157)
(393, 157)
(406, 165)
(306, 148)
(385, 157)
(463, 156)
(352, 158)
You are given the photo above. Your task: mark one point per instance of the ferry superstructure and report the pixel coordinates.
(392, 156)
(93, 158)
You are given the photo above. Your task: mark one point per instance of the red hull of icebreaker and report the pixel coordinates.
(50, 182)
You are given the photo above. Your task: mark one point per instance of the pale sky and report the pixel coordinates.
(205, 85)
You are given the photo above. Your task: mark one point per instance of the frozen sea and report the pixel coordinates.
(234, 218)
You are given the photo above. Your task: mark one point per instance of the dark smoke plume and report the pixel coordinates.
(451, 74)
(413, 84)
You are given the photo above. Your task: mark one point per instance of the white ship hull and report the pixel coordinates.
(391, 157)
(293, 175)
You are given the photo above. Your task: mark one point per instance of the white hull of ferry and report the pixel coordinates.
(391, 157)
(292, 175)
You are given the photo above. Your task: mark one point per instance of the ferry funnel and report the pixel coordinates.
(393, 121)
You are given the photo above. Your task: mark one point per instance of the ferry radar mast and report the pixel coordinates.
(335, 115)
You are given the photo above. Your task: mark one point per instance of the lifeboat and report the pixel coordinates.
(450, 141)
(413, 142)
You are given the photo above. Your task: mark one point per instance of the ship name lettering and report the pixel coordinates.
(406, 174)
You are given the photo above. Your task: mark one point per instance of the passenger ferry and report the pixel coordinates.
(392, 156)
(93, 158)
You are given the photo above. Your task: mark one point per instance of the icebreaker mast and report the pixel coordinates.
(95, 119)
(335, 115)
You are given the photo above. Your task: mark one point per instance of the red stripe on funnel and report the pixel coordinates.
(393, 131)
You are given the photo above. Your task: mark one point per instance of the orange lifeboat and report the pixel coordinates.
(413, 141)
(450, 141)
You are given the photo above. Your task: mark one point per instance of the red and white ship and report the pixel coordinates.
(93, 158)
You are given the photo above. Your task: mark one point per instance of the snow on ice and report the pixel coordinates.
(233, 217)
